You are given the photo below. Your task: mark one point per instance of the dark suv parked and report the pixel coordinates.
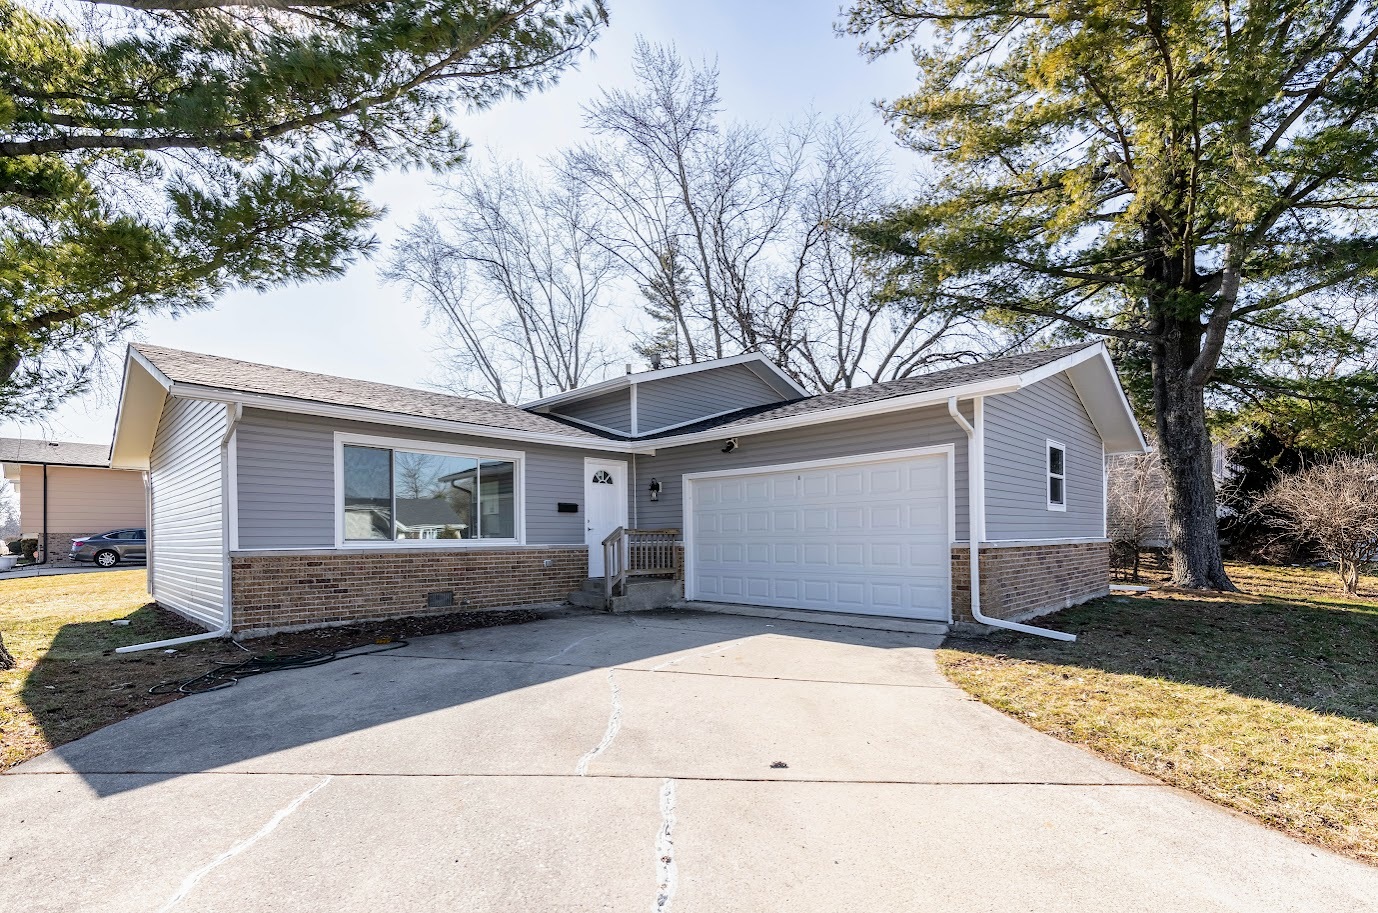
(109, 549)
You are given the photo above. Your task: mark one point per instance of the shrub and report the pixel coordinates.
(1333, 505)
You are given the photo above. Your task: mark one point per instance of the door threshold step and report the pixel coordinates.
(814, 616)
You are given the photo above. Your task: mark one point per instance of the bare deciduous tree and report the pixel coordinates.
(737, 234)
(1334, 506)
(508, 270)
(1136, 509)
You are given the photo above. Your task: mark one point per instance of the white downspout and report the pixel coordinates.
(976, 515)
(233, 412)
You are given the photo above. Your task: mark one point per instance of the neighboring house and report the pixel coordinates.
(68, 490)
(281, 498)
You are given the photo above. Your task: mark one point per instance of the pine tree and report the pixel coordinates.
(155, 152)
(1187, 179)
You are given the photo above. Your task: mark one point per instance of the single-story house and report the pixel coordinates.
(281, 498)
(68, 490)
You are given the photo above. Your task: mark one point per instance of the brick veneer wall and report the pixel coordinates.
(276, 591)
(1024, 581)
(60, 546)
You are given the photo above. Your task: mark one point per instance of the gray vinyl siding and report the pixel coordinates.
(1018, 426)
(186, 535)
(611, 410)
(925, 427)
(286, 479)
(694, 396)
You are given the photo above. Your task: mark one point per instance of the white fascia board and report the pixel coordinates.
(1043, 372)
(778, 372)
(1115, 389)
(376, 417)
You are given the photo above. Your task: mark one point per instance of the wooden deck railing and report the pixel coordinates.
(638, 553)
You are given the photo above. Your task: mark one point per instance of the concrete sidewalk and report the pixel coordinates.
(673, 761)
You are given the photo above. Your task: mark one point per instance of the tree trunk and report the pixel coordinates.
(1184, 438)
(6, 661)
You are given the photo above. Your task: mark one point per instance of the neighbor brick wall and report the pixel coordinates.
(277, 591)
(1023, 581)
(60, 546)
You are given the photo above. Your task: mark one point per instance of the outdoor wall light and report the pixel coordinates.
(655, 489)
(730, 446)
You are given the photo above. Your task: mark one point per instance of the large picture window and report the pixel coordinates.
(399, 494)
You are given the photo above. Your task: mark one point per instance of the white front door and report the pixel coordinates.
(869, 536)
(605, 506)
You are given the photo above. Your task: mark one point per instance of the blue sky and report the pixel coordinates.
(776, 59)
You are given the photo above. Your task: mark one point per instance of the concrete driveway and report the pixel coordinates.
(679, 762)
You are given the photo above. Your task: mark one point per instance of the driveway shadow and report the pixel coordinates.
(1314, 654)
(520, 686)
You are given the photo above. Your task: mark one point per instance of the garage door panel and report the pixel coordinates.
(887, 480)
(869, 538)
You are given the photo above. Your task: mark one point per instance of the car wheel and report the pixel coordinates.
(107, 557)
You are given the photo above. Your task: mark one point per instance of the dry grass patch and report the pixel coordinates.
(69, 682)
(1266, 703)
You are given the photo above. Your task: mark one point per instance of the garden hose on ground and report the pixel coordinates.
(226, 674)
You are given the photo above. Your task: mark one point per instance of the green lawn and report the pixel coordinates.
(1265, 702)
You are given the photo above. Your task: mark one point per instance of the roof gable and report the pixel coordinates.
(1088, 365)
(770, 374)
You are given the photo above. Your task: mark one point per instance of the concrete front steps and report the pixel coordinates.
(641, 594)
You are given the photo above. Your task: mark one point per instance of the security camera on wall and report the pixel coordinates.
(730, 446)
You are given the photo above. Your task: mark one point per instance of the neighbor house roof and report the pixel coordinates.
(54, 453)
(426, 512)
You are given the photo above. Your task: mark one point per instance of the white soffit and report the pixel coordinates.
(140, 407)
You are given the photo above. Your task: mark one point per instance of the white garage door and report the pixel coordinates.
(869, 537)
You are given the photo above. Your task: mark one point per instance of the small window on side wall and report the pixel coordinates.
(1057, 476)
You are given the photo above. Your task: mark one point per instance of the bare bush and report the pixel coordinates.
(1333, 506)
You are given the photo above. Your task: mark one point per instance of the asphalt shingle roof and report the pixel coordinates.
(58, 453)
(990, 369)
(242, 376)
(247, 377)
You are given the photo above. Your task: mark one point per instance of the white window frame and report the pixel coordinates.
(432, 448)
(1049, 475)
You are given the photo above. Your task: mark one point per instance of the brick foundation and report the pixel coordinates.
(1020, 582)
(276, 591)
